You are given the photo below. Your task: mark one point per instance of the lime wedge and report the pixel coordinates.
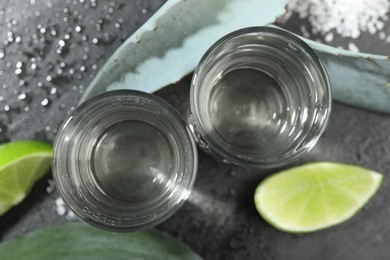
(22, 163)
(315, 196)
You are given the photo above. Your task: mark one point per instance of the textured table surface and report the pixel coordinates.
(50, 51)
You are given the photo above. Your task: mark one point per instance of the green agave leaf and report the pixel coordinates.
(75, 241)
(170, 44)
(357, 79)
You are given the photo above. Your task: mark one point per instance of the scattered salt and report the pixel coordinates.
(347, 17)
(63, 210)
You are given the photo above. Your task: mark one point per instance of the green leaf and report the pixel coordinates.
(75, 241)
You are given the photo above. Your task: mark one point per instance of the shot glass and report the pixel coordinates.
(124, 160)
(259, 97)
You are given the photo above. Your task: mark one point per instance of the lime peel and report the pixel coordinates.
(315, 196)
(22, 163)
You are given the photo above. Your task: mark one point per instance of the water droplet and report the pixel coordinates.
(18, 71)
(2, 54)
(10, 36)
(53, 33)
(40, 84)
(77, 28)
(95, 40)
(61, 43)
(6, 108)
(65, 19)
(82, 68)
(26, 108)
(144, 11)
(33, 66)
(18, 39)
(49, 78)
(62, 106)
(117, 25)
(19, 64)
(22, 96)
(1, 98)
(43, 30)
(53, 91)
(94, 67)
(44, 102)
(47, 128)
(84, 38)
(71, 71)
(67, 36)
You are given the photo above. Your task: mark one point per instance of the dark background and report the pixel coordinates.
(42, 79)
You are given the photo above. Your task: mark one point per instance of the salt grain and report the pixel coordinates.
(50, 187)
(353, 47)
(329, 37)
(61, 210)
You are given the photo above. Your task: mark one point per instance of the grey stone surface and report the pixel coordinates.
(219, 221)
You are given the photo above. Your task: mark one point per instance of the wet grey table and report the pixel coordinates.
(50, 51)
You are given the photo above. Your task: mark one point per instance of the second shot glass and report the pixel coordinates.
(259, 97)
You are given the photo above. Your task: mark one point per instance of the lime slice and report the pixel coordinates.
(22, 163)
(315, 196)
